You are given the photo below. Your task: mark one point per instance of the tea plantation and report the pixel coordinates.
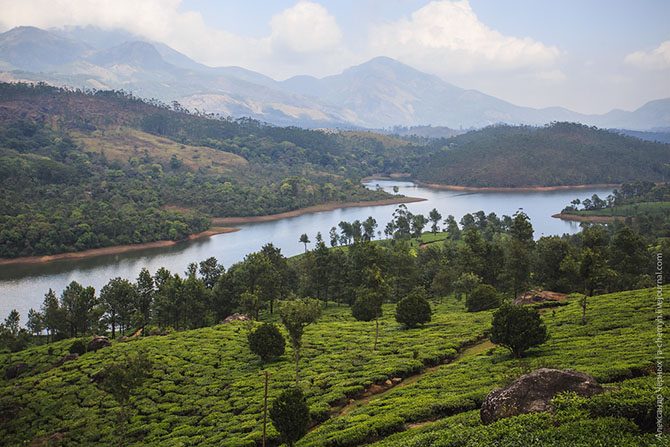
(206, 387)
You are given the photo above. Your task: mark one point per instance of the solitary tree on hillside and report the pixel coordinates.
(518, 328)
(267, 342)
(290, 415)
(414, 309)
(434, 216)
(121, 380)
(295, 316)
(369, 299)
(304, 239)
(483, 297)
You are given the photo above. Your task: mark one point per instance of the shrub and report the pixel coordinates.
(414, 309)
(78, 347)
(518, 328)
(483, 297)
(267, 342)
(290, 415)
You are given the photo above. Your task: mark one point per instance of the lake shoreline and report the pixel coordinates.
(112, 250)
(591, 219)
(515, 189)
(440, 186)
(220, 226)
(314, 209)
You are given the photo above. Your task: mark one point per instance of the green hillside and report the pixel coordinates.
(555, 155)
(81, 170)
(205, 387)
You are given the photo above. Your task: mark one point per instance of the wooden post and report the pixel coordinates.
(265, 406)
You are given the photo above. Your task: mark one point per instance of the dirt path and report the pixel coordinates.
(376, 390)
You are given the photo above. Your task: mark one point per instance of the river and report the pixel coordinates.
(24, 286)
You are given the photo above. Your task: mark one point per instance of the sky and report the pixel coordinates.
(590, 56)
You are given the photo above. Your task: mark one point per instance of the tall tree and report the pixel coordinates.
(304, 239)
(434, 216)
(296, 315)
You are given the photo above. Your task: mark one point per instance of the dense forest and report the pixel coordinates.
(553, 155)
(398, 305)
(87, 170)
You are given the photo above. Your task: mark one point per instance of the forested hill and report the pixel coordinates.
(556, 154)
(87, 170)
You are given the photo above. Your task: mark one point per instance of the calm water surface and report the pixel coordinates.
(23, 287)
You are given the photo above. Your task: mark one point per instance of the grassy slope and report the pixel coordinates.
(617, 343)
(206, 386)
(123, 143)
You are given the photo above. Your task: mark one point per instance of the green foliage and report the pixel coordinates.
(414, 309)
(290, 415)
(556, 154)
(60, 192)
(518, 328)
(483, 297)
(267, 342)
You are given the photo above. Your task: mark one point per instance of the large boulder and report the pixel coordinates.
(533, 392)
(98, 342)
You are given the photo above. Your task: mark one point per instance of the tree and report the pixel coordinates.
(290, 415)
(369, 226)
(250, 304)
(295, 316)
(334, 238)
(453, 231)
(210, 271)
(35, 322)
(594, 274)
(53, 315)
(304, 239)
(434, 216)
(414, 309)
(121, 380)
(80, 306)
(267, 342)
(418, 223)
(118, 297)
(518, 328)
(145, 297)
(466, 283)
(518, 253)
(12, 323)
(369, 299)
(483, 297)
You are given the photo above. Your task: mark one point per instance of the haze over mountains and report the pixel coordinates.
(379, 93)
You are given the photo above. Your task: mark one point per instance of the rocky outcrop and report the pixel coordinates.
(540, 296)
(533, 392)
(98, 342)
(236, 317)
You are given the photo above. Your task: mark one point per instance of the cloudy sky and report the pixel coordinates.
(587, 55)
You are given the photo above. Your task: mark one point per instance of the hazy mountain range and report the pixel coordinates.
(380, 93)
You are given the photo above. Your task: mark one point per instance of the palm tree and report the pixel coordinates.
(305, 240)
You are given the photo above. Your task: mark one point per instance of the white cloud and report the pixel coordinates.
(656, 59)
(447, 37)
(305, 28)
(301, 31)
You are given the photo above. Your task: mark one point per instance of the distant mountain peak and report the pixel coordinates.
(136, 53)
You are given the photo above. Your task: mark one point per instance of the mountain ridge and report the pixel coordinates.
(379, 93)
